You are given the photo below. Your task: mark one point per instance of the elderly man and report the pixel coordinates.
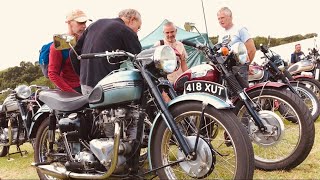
(170, 32)
(236, 34)
(106, 35)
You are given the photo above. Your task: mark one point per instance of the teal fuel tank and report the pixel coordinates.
(122, 86)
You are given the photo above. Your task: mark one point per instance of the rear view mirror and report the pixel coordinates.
(188, 26)
(63, 41)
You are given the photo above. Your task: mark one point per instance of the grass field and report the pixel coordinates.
(20, 168)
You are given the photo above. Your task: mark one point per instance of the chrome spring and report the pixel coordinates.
(233, 83)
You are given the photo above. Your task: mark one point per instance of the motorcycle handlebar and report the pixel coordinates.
(189, 43)
(204, 49)
(104, 54)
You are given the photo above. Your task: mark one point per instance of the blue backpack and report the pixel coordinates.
(44, 58)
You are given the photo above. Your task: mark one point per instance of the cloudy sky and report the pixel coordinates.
(26, 25)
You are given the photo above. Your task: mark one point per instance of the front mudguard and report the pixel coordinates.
(37, 119)
(200, 97)
(263, 85)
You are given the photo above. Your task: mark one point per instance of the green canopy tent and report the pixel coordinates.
(194, 56)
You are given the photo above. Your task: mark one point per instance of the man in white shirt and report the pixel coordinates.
(236, 34)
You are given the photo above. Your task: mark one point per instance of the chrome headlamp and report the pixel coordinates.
(240, 52)
(23, 91)
(165, 59)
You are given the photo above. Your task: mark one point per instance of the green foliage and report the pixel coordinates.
(273, 41)
(279, 41)
(214, 39)
(23, 74)
(43, 81)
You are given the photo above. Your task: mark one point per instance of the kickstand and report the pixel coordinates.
(18, 151)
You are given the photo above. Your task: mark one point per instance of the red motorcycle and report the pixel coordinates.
(278, 143)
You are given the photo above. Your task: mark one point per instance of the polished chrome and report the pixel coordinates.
(62, 173)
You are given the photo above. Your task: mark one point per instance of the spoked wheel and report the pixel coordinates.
(312, 84)
(3, 149)
(224, 150)
(41, 147)
(309, 98)
(284, 145)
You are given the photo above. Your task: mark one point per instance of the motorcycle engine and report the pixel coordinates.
(4, 129)
(102, 147)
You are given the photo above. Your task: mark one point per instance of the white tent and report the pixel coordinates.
(286, 50)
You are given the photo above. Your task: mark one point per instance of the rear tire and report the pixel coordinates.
(292, 149)
(228, 138)
(4, 150)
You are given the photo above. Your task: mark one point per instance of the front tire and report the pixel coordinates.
(230, 155)
(293, 143)
(41, 146)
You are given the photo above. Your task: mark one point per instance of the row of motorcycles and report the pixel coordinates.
(216, 126)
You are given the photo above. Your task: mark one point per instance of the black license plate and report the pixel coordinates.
(206, 87)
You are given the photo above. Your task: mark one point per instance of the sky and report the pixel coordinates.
(27, 25)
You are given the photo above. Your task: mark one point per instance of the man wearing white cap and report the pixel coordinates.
(60, 70)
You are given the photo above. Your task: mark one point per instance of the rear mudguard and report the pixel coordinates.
(37, 119)
(201, 97)
(302, 76)
(268, 84)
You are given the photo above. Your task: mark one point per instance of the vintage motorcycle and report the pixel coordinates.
(273, 68)
(15, 117)
(307, 70)
(101, 135)
(278, 144)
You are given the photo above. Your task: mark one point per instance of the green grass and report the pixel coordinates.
(20, 167)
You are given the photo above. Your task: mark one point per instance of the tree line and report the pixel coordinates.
(29, 73)
(274, 41)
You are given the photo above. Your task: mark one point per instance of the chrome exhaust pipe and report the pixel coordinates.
(54, 171)
(62, 173)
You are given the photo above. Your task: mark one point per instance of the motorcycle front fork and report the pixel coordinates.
(252, 111)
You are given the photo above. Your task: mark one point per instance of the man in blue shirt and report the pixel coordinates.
(295, 56)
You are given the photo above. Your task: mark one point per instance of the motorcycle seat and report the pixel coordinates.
(64, 101)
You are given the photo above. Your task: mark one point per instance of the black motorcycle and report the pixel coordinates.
(15, 117)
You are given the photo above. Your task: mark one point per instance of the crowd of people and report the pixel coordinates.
(109, 34)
